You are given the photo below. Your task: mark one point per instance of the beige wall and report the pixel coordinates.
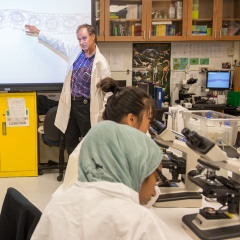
(126, 49)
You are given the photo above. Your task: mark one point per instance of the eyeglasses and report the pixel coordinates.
(159, 173)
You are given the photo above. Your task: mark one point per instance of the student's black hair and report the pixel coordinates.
(125, 100)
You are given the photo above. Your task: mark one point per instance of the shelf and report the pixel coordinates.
(168, 1)
(231, 19)
(166, 19)
(202, 20)
(124, 20)
(122, 2)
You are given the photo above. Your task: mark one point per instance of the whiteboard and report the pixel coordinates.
(23, 59)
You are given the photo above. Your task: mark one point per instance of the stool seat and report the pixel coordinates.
(50, 142)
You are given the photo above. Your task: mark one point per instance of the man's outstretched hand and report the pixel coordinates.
(31, 29)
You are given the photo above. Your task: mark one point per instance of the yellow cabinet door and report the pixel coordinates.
(18, 143)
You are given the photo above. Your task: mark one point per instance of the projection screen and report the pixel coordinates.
(26, 63)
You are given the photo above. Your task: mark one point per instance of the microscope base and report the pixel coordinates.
(219, 233)
(180, 200)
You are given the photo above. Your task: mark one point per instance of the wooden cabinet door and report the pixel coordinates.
(98, 19)
(125, 20)
(202, 19)
(228, 27)
(166, 20)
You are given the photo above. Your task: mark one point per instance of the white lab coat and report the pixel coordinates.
(100, 70)
(99, 210)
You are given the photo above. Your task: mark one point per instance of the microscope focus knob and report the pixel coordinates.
(196, 139)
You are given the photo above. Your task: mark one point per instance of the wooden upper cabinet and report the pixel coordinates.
(98, 18)
(202, 19)
(125, 20)
(166, 20)
(145, 20)
(228, 27)
(213, 20)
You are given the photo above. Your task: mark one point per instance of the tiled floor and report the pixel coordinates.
(37, 190)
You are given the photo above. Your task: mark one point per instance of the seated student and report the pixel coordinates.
(126, 105)
(117, 174)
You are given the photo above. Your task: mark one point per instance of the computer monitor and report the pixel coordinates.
(218, 80)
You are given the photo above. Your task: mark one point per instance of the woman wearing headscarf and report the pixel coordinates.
(117, 174)
(126, 105)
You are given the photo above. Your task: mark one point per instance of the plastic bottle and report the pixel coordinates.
(171, 11)
(178, 10)
(227, 133)
(197, 127)
(219, 136)
(224, 29)
(195, 9)
(209, 29)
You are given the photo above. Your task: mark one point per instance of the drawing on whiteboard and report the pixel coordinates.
(55, 23)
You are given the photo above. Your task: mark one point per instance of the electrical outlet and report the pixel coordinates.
(230, 52)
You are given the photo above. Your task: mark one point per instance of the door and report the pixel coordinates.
(125, 20)
(229, 20)
(202, 19)
(98, 18)
(18, 144)
(166, 20)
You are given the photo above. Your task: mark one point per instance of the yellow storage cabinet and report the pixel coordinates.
(18, 144)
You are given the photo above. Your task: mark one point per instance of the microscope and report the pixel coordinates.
(211, 223)
(178, 191)
(184, 95)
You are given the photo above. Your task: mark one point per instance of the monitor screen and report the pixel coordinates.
(218, 80)
(26, 63)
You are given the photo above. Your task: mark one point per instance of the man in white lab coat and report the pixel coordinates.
(117, 174)
(81, 101)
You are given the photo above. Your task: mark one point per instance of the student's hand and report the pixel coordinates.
(32, 29)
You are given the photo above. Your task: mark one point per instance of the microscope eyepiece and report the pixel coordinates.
(196, 139)
(156, 126)
(185, 132)
(193, 137)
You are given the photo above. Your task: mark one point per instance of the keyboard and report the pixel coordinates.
(207, 105)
